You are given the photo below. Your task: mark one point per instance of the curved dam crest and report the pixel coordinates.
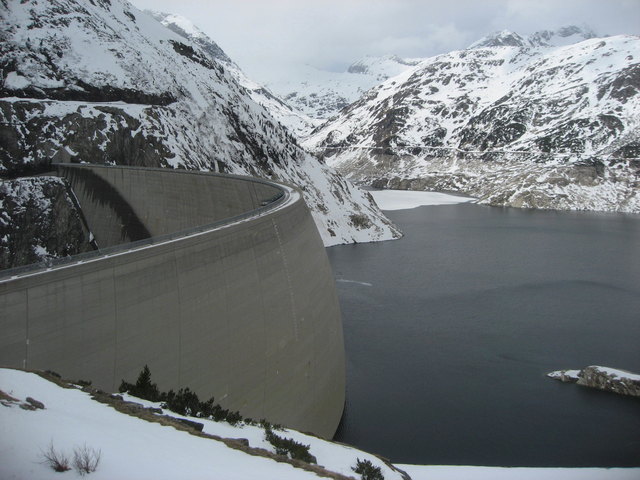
(216, 282)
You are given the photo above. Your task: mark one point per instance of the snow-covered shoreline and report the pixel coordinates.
(133, 448)
(405, 199)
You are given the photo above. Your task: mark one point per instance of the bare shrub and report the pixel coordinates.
(86, 459)
(58, 461)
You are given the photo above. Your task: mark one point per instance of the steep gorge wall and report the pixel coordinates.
(245, 311)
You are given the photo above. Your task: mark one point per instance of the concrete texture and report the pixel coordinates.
(246, 312)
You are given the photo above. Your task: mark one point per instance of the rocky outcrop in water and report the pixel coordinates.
(602, 378)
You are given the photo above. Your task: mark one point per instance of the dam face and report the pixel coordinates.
(216, 282)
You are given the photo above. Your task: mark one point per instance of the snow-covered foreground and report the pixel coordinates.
(403, 199)
(133, 448)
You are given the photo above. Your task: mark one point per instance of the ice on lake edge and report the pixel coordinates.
(406, 199)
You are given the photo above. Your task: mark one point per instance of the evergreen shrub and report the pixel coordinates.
(182, 402)
(289, 447)
(367, 470)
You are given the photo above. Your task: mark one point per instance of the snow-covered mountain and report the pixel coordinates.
(101, 81)
(321, 94)
(543, 38)
(512, 120)
(296, 121)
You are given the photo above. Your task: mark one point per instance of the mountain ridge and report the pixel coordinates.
(541, 127)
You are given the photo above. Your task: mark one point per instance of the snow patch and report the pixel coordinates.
(15, 81)
(405, 199)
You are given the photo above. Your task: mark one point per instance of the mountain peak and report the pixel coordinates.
(503, 38)
(186, 29)
(562, 36)
(369, 63)
(559, 37)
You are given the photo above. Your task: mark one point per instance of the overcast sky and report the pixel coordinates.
(269, 36)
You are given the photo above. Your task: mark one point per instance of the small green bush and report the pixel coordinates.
(289, 447)
(143, 387)
(183, 402)
(367, 470)
(270, 426)
(233, 418)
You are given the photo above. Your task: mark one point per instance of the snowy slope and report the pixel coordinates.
(137, 449)
(296, 121)
(506, 121)
(103, 82)
(321, 94)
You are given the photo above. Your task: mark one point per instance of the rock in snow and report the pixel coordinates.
(602, 378)
(524, 122)
(100, 81)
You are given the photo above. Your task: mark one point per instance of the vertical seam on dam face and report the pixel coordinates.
(285, 265)
(115, 328)
(180, 317)
(214, 302)
(25, 362)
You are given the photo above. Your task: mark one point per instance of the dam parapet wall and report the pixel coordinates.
(218, 283)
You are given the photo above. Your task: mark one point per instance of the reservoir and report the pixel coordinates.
(449, 333)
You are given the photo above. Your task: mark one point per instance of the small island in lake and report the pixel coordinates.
(603, 378)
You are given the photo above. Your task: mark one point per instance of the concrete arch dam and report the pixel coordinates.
(217, 282)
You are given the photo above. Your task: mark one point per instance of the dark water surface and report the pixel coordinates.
(448, 347)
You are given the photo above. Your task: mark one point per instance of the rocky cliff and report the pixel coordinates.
(39, 221)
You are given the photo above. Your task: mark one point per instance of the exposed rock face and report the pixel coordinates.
(513, 121)
(602, 378)
(624, 383)
(37, 133)
(38, 221)
(102, 82)
(294, 120)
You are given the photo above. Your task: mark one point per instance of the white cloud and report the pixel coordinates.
(263, 35)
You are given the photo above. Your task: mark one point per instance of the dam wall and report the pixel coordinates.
(231, 294)
(131, 204)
